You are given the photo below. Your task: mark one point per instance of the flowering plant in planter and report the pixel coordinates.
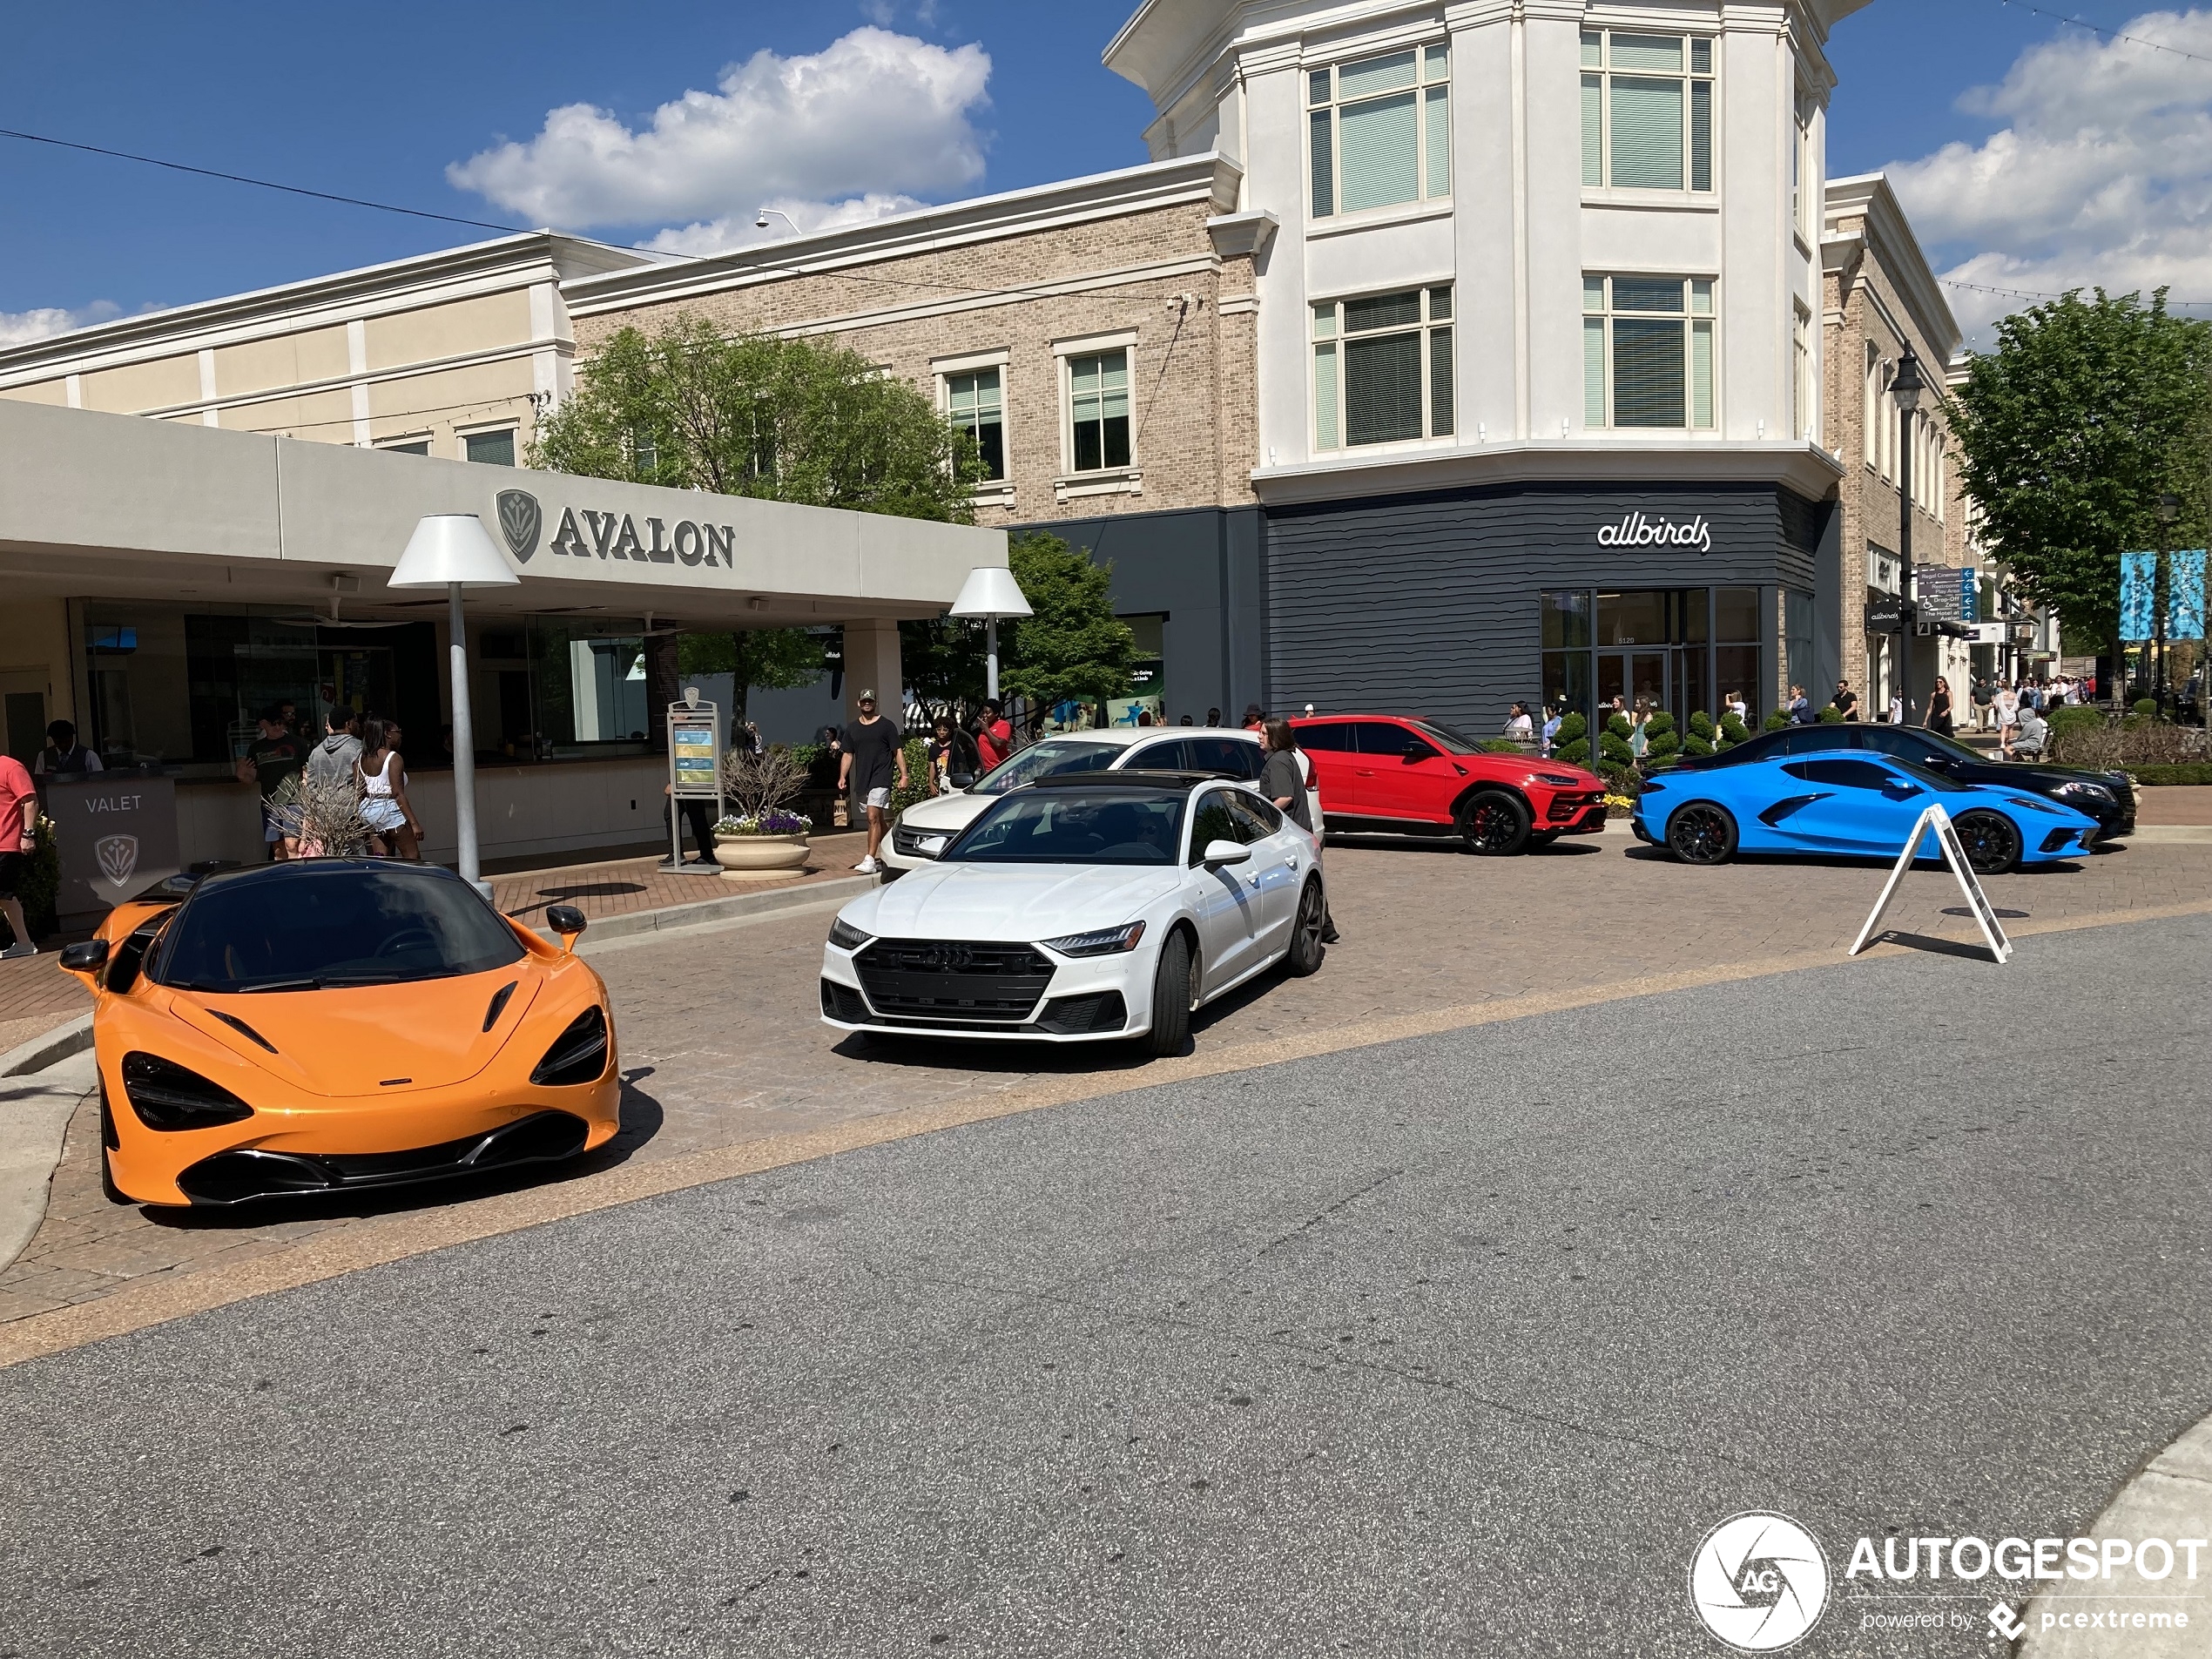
(773, 822)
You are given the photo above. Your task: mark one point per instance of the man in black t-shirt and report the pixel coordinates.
(1846, 700)
(874, 754)
(271, 761)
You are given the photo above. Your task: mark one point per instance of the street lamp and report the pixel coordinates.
(991, 592)
(451, 550)
(760, 221)
(1906, 388)
(2169, 508)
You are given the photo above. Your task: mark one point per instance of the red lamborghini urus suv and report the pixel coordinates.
(1410, 776)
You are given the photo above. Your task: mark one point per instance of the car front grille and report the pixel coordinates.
(952, 981)
(908, 843)
(1081, 1016)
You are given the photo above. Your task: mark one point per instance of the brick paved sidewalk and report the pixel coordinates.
(36, 996)
(721, 1040)
(2177, 804)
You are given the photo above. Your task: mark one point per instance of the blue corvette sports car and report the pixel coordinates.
(1851, 804)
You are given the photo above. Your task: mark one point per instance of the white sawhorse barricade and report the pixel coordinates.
(1969, 884)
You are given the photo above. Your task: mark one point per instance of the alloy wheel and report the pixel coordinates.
(1701, 834)
(1991, 845)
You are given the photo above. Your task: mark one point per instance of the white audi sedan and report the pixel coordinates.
(928, 827)
(1101, 905)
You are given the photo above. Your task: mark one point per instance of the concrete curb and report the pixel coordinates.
(736, 905)
(2169, 1498)
(54, 1047)
(35, 1113)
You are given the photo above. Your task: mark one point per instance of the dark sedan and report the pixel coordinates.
(2105, 796)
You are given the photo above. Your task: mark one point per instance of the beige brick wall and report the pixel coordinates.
(1193, 402)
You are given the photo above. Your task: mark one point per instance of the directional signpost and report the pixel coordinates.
(694, 765)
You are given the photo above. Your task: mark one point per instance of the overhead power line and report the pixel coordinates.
(2109, 34)
(263, 183)
(2030, 293)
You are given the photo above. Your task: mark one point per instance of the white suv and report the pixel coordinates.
(926, 828)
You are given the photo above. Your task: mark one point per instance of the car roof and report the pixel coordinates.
(1349, 714)
(1131, 778)
(1126, 735)
(302, 869)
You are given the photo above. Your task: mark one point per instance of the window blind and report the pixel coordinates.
(1325, 165)
(1381, 152)
(1439, 140)
(1647, 132)
(1648, 387)
(1383, 388)
(1593, 130)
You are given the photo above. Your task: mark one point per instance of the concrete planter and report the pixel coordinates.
(760, 858)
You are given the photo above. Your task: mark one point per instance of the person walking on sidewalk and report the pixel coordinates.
(1938, 720)
(875, 752)
(383, 777)
(994, 737)
(1283, 780)
(18, 831)
(272, 760)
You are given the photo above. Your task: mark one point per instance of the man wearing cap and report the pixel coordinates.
(874, 753)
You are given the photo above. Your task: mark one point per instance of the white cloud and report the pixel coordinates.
(2101, 173)
(738, 230)
(21, 327)
(873, 115)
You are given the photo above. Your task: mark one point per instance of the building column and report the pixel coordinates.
(872, 665)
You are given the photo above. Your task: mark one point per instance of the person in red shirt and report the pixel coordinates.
(994, 737)
(18, 824)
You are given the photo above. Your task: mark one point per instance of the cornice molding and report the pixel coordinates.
(1888, 235)
(1242, 235)
(1803, 467)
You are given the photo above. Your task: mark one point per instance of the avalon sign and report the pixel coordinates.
(584, 534)
(1638, 530)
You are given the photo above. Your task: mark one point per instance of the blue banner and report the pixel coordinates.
(2185, 595)
(2138, 594)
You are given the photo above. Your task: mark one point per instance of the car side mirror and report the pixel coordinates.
(1898, 789)
(566, 920)
(1220, 853)
(87, 957)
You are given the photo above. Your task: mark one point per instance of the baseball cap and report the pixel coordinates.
(866, 697)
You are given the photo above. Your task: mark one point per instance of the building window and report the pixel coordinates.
(412, 447)
(493, 449)
(1382, 369)
(1098, 411)
(1380, 131)
(976, 402)
(1647, 110)
(1805, 389)
(1803, 185)
(1869, 436)
(1647, 352)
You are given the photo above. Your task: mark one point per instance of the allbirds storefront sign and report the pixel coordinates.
(1640, 529)
(584, 534)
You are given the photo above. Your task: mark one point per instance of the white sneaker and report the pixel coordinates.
(867, 866)
(16, 950)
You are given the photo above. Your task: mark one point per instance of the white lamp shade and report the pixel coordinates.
(991, 590)
(448, 548)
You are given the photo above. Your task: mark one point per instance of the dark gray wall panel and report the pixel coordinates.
(1428, 602)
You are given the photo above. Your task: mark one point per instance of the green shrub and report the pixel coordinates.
(42, 881)
(2148, 707)
(2197, 771)
(1572, 728)
(1694, 745)
(1733, 732)
(917, 787)
(1831, 716)
(2074, 717)
(1576, 753)
(1501, 746)
(1661, 742)
(1619, 725)
(1700, 725)
(1775, 721)
(1616, 750)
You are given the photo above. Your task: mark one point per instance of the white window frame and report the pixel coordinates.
(1333, 342)
(1693, 321)
(398, 440)
(1602, 72)
(1106, 480)
(1804, 182)
(943, 369)
(1804, 385)
(510, 426)
(1428, 78)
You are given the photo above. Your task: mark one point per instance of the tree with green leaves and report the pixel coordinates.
(805, 421)
(1073, 648)
(2067, 433)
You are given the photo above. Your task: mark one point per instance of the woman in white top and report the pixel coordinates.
(1519, 726)
(394, 830)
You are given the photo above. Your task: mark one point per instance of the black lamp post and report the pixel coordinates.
(2169, 508)
(1906, 388)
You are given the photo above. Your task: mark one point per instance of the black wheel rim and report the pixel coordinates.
(1988, 841)
(1700, 835)
(1309, 923)
(1491, 825)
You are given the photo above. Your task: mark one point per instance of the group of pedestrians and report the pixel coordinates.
(303, 786)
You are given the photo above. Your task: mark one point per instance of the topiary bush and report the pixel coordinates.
(1831, 716)
(1501, 746)
(1661, 742)
(1571, 743)
(1613, 742)
(1733, 732)
(1700, 725)
(2148, 707)
(1774, 722)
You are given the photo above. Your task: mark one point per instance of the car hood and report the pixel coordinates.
(357, 1039)
(1009, 901)
(946, 812)
(2036, 777)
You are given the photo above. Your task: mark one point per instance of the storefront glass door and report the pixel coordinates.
(1633, 676)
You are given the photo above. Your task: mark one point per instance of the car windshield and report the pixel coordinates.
(1951, 746)
(315, 926)
(1048, 759)
(1929, 777)
(1448, 739)
(1075, 826)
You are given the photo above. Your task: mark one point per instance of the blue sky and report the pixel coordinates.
(2034, 155)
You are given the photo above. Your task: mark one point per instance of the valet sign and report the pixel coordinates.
(1641, 529)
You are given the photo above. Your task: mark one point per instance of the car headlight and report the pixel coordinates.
(2078, 790)
(167, 1096)
(1104, 941)
(578, 1054)
(845, 936)
(1556, 779)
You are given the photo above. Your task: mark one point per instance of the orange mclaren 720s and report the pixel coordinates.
(336, 1026)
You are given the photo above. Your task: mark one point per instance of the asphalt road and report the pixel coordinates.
(1454, 1345)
